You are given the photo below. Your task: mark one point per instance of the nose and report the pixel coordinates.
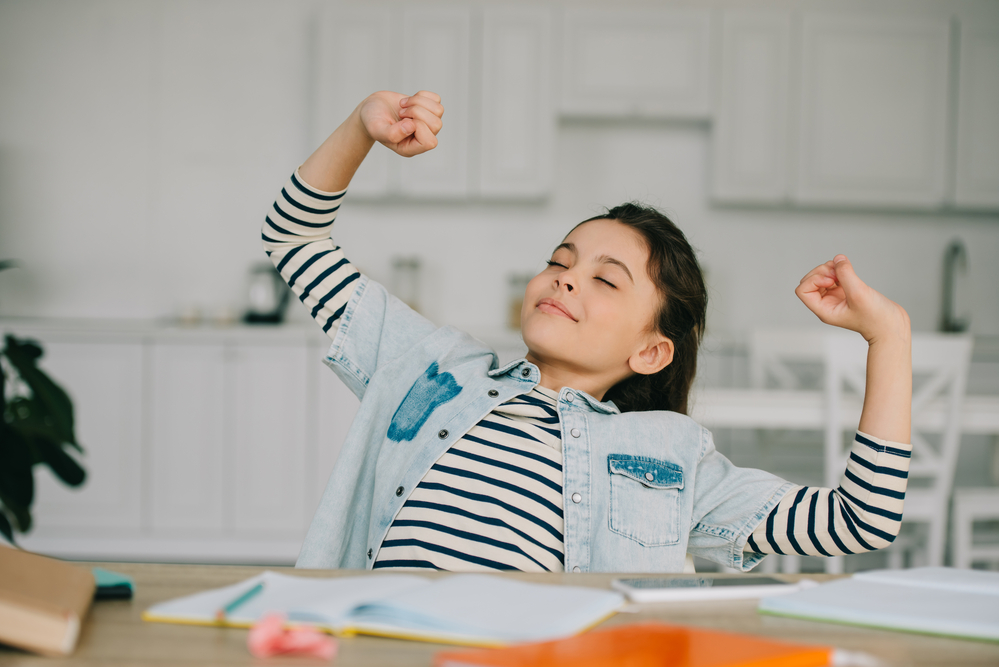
(564, 279)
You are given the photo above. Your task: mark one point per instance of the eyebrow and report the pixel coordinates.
(603, 259)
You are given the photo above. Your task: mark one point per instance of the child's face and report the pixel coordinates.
(591, 310)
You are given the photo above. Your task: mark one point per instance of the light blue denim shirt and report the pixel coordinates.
(640, 489)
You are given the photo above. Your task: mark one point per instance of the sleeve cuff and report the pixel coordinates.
(883, 444)
(315, 190)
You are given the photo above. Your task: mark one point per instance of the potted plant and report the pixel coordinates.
(36, 427)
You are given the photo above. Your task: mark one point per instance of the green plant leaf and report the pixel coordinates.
(57, 404)
(5, 527)
(17, 483)
(3, 392)
(29, 417)
(20, 513)
(62, 464)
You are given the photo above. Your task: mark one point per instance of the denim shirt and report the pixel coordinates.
(640, 489)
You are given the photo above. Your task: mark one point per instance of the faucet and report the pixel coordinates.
(955, 288)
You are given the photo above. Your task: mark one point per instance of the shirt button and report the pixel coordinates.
(525, 373)
(493, 393)
(649, 476)
(576, 568)
(442, 434)
(399, 491)
(569, 397)
(574, 432)
(369, 553)
(576, 498)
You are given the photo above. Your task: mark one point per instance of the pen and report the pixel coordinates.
(232, 606)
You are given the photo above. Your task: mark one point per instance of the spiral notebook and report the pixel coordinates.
(469, 609)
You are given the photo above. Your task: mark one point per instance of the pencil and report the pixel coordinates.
(232, 606)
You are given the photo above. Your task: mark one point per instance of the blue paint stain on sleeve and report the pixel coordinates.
(430, 390)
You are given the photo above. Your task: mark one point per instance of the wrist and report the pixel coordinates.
(355, 126)
(893, 329)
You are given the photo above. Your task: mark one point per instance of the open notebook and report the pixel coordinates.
(471, 609)
(931, 600)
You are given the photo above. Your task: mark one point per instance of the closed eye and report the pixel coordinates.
(552, 262)
(607, 281)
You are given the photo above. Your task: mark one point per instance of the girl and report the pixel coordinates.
(579, 456)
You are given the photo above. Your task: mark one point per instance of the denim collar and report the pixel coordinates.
(515, 369)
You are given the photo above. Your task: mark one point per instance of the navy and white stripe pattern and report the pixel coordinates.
(863, 514)
(296, 235)
(493, 501)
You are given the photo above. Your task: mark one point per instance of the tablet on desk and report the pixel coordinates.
(700, 587)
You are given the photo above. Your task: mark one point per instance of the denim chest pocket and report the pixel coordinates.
(645, 499)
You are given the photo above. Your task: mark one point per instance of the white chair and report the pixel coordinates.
(940, 372)
(970, 505)
(786, 359)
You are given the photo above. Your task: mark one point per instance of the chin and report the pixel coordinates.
(543, 341)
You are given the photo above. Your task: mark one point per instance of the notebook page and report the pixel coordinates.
(324, 602)
(335, 599)
(946, 578)
(912, 608)
(483, 608)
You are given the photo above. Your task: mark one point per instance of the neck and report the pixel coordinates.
(555, 375)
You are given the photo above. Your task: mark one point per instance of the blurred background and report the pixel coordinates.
(142, 141)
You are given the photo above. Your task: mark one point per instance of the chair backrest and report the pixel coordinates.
(940, 374)
(785, 358)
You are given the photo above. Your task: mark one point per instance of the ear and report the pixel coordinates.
(652, 358)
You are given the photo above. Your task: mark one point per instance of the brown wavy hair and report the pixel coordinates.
(673, 268)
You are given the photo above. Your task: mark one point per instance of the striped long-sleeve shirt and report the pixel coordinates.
(493, 500)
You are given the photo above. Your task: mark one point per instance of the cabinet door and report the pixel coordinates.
(636, 63)
(104, 381)
(750, 135)
(436, 48)
(517, 133)
(873, 124)
(267, 385)
(355, 49)
(188, 449)
(977, 177)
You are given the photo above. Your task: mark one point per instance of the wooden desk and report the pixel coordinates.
(114, 635)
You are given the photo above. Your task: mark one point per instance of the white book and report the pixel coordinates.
(470, 609)
(932, 600)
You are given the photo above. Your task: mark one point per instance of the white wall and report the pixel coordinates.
(141, 142)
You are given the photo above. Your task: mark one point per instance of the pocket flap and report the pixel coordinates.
(650, 472)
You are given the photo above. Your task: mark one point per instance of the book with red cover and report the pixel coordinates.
(647, 645)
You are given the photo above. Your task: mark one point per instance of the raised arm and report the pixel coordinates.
(407, 125)
(296, 231)
(865, 511)
(838, 297)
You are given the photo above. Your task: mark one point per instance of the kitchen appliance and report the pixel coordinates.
(267, 295)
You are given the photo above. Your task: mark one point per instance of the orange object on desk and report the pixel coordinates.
(647, 645)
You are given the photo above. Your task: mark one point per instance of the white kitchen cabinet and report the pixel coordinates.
(517, 132)
(977, 169)
(188, 452)
(356, 51)
(873, 111)
(267, 389)
(750, 135)
(104, 381)
(636, 62)
(436, 43)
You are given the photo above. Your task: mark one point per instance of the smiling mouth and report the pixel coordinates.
(552, 307)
